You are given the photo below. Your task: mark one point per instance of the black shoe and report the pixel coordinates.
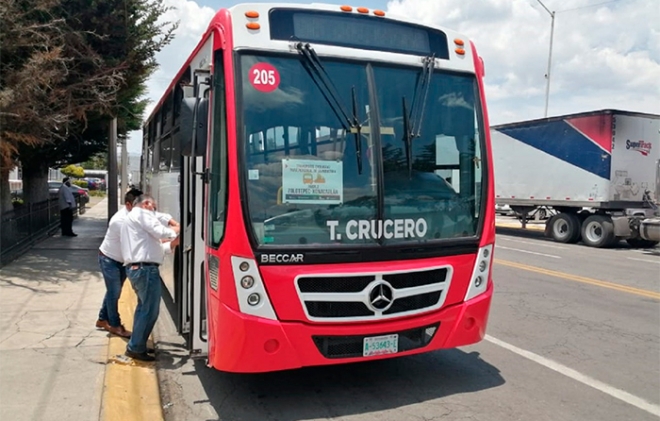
(142, 356)
(151, 350)
(70, 235)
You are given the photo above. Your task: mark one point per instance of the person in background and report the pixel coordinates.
(67, 204)
(112, 265)
(143, 252)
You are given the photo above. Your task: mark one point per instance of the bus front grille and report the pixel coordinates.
(362, 297)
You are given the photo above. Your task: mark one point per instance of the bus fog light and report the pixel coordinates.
(247, 282)
(244, 266)
(482, 266)
(478, 281)
(253, 299)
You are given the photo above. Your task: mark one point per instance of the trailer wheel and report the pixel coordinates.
(598, 231)
(565, 228)
(640, 243)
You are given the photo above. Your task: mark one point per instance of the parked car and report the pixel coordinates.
(95, 183)
(504, 210)
(80, 194)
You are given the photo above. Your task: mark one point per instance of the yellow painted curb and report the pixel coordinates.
(130, 390)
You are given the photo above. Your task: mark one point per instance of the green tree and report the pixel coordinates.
(72, 170)
(96, 162)
(49, 78)
(68, 67)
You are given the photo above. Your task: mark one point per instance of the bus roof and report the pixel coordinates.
(240, 15)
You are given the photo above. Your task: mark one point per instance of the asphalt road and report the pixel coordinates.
(574, 334)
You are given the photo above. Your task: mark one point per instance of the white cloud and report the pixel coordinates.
(607, 56)
(193, 22)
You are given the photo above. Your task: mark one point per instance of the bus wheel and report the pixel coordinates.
(565, 228)
(598, 231)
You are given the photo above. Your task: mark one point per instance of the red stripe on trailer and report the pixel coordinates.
(597, 128)
(548, 198)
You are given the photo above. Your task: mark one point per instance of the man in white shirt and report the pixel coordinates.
(67, 205)
(143, 252)
(112, 267)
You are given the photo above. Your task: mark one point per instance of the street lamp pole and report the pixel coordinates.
(552, 32)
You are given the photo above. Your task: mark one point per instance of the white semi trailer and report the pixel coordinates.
(600, 171)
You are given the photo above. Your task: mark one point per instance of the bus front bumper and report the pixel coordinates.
(247, 344)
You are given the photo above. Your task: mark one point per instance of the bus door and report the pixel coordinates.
(191, 303)
(191, 289)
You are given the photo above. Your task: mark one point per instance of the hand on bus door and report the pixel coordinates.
(175, 242)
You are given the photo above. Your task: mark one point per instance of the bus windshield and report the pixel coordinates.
(409, 172)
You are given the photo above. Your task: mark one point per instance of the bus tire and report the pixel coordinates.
(598, 231)
(565, 228)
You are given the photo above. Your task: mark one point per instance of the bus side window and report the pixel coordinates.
(217, 200)
(175, 149)
(165, 153)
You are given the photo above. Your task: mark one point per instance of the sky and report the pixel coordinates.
(606, 53)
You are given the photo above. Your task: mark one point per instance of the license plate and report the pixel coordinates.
(380, 345)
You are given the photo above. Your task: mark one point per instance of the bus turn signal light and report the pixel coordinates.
(460, 51)
(252, 14)
(362, 10)
(346, 8)
(379, 13)
(459, 41)
(252, 25)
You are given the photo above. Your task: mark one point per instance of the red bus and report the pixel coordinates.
(331, 169)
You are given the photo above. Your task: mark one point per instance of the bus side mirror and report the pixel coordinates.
(193, 127)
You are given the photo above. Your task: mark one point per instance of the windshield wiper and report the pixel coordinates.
(417, 109)
(407, 136)
(419, 106)
(320, 76)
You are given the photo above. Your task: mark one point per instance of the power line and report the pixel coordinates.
(587, 6)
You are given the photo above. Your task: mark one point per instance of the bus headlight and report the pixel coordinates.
(247, 282)
(478, 281)
(483, 265)
(253, 299)
(250, 289)
(480, 273)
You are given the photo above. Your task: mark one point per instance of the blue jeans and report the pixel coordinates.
(146, 283)
(114, 275)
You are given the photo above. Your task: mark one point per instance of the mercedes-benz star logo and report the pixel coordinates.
(380, 296)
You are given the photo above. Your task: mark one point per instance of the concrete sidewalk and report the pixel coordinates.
(52, 358)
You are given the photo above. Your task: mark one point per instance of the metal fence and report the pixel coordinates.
(25, 225)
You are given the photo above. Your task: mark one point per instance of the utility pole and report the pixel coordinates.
(124, 167)
(113, 201)
(547, 76)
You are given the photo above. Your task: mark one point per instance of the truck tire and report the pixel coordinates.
(565, 228)
(640, 243)
(598, 231)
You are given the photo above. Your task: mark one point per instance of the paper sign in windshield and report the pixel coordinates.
(312, 182)
(264, 77)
